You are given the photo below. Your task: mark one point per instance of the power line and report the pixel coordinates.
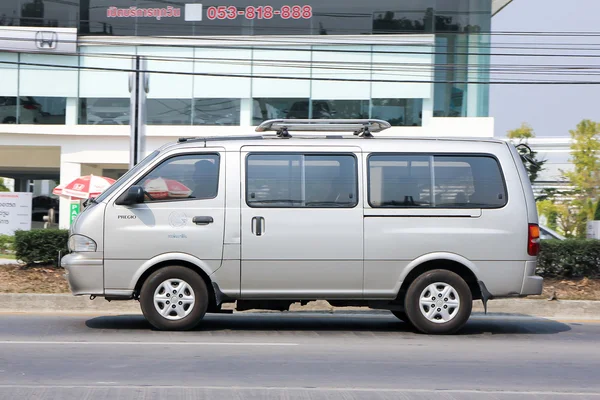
(313, 78)
(384, 68)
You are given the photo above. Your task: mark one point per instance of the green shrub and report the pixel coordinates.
(40, 246)
(571, 258)
(6, 243)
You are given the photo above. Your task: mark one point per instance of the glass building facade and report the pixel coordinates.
(379, 72)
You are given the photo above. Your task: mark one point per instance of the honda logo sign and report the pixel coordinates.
(38, 40)
(46, 40)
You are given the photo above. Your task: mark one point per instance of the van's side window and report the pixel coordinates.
(301, 180)
(194, 176)
(399, 181)
(403, 181)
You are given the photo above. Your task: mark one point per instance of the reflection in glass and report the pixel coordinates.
(398, 112)
(32, 110)
(340, 109)
(398, 181)
(169, 111)
(103, 111)
(298, 180)
(8, 110)
(217, 111)
(265, 109)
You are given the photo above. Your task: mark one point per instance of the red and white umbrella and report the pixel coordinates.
(58, 190)
(84, 187)
(161, 189)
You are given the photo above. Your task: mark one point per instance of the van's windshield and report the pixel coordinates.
(126, 176)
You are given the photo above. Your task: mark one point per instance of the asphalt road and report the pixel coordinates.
(295, 356)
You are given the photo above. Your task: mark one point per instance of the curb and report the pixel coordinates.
(66, 303)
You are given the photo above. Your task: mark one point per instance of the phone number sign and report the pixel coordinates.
(259, 12)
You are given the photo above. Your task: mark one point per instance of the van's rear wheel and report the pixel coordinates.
(174, 298)
(438, 302)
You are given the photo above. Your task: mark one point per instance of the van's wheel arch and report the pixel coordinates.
(174, 297)
(438, 301)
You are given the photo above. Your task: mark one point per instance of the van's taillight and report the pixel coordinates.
(533, 241)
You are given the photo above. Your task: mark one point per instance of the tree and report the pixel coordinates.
(530, 158)
(525, 131)
(3, 188)
(597, 212)
(585, 176)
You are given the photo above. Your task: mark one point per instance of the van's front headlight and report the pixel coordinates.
(80, 243)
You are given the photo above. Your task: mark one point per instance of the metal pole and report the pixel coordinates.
(143, 89)
(139, 86)
(133, 113)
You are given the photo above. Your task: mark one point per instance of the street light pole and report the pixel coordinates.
(139, 86)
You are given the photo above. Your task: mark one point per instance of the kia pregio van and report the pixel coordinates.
(303, 211)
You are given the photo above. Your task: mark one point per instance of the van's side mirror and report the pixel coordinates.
(135, 195)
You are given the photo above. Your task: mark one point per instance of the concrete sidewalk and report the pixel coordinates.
(66, 303)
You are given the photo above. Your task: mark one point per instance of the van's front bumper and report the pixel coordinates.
(532, 284)
(85, 273)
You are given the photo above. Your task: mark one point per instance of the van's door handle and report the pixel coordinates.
(258, 226)
(203, 220)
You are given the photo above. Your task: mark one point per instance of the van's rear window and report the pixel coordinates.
(436, 181)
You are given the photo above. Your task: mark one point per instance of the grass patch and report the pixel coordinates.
(7, 257)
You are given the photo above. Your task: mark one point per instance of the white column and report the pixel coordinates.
(246, 112)
(68, 172)
(72, 111)
(427, 112)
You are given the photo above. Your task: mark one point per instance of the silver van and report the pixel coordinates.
(301, 212)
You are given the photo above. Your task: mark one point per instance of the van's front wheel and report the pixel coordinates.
(438, 302)
(174, 298)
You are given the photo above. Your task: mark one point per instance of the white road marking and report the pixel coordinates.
(316, 389)
(34, 342)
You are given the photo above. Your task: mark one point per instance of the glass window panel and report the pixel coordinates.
(399, 181)
(295, 180)
(50, 75)
(468, 181)
(178, 62)
(220, 61)
(104, 111)
(113, 82)
(398, 112)
(169, 111)
(8, 110)
(48, 13)
(274, 108)
(295, 63)
(183, 178)
(217, 111)
(340, 109)
(33, 110)
(346, 62)
(9, 74)
(42, 110)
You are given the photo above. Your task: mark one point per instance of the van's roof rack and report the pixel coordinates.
(360, 127)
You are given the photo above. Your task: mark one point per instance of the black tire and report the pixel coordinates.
(413, 295)
(200, 304)
(9, 120)
(401, 315)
